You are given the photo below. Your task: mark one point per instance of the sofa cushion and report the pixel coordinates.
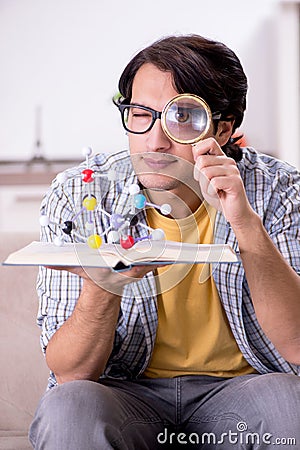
(14, 441)
(23, 374)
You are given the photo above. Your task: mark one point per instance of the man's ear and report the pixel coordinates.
(224, 131)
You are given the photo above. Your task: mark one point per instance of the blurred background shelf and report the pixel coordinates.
(32, 172)
(22, 187)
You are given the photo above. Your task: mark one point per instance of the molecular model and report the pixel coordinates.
(120, 225)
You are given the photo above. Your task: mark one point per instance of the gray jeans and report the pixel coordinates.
(188, 412)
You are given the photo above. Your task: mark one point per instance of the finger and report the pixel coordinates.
(214, 171)
(208, 146)
(196, 172)
(203, 182)
(214, 160)
(65, 268)
(206, 164)
(139, 271)
(227, 185)
(212, 190)
(219, 179)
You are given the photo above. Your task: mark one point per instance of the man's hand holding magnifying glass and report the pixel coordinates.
(220, 182)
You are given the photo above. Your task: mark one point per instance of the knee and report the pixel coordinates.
(273, 393)
(74, 415)
(75, 398)
(275, 387)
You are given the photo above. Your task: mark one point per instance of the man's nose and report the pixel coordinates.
(157, 140)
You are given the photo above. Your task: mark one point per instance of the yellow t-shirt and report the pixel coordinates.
(193, 335)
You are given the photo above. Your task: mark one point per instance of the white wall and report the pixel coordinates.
(288, 82)
(66, 56)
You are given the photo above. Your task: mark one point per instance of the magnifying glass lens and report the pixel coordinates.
(186, 118)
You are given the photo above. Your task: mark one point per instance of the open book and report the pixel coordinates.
(114, 256)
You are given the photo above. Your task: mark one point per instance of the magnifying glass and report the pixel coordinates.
(187, 118)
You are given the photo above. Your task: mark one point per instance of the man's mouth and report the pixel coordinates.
(158, 163)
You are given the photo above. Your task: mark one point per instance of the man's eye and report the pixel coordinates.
(140, 113)
(182, 116)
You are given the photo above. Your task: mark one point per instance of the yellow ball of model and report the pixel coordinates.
(94, 241)
(89, 203)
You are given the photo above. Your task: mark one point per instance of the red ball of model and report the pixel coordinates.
(127, 242)
(87, 175)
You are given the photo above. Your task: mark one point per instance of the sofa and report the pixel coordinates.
(23, 374)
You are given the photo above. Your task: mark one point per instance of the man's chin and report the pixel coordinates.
(158, 182)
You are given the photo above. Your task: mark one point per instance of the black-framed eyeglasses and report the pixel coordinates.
(186, 118)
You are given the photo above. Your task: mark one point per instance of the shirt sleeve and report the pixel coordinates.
(284, 216)
(58, 291)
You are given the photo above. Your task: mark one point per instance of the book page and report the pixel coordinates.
(178, 252)
(48, 254)
(108, 255)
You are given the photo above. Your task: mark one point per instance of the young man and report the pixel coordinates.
(196, 356)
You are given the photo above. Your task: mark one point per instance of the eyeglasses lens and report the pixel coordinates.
(137, 120)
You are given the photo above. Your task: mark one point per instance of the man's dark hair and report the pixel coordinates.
(198, 66)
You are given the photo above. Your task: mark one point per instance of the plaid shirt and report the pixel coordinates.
(273, 189)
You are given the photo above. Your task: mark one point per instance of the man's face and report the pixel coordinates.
(159, 162)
